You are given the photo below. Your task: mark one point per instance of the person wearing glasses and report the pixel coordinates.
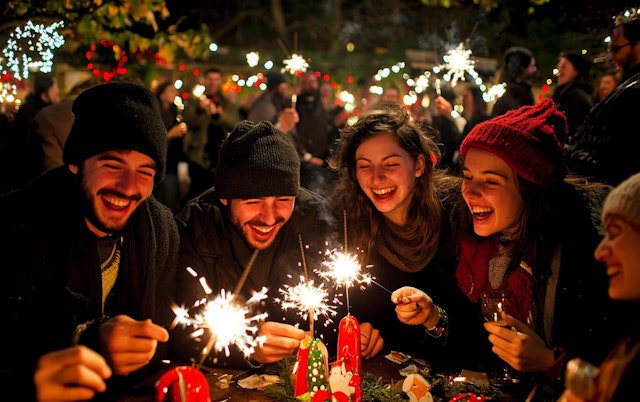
(606, 150)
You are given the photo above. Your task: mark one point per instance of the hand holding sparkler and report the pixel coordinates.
(280, 340)
(415, 307)
(288, 119)
(130, 344)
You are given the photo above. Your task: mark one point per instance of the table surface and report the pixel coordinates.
(388, 371)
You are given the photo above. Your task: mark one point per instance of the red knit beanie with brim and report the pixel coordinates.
(527, 139)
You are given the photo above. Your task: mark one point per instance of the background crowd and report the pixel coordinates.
(537, 199)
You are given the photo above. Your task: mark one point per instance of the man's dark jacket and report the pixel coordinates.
(52, 281)
(215, 250)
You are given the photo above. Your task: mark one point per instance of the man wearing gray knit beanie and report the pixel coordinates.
(258, 217)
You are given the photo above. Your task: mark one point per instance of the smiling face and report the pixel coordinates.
(387, 174)
(620, 252)
(491, 190)
(621, 52)
(566, 71)
(260, 219)
(114, 184)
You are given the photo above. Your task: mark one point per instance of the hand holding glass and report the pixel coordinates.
(493, 304)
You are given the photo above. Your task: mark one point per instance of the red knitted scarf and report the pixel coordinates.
(473, 276)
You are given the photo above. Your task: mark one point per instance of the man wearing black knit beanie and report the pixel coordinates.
(256, 215)
(89, 256)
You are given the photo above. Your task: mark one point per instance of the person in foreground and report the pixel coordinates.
(256, 205)
(619, 373)
(89, 254)
(524, 230)
(397, 206)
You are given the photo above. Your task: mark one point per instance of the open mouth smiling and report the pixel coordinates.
(481, 212)
(116, 202)
(383, 193)
(262, 231)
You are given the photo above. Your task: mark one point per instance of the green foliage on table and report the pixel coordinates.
(376, 389)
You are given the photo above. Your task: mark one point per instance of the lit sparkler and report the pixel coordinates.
(229, 320)
(458, 63)
(308, 299)
(296, 64)
(344, 269)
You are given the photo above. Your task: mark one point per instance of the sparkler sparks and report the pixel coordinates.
(344, 269)
(229, 321)
(295, 64)
(458, 62)
(307, 298)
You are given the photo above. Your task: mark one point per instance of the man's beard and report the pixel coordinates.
(248, 239)
(89, 208)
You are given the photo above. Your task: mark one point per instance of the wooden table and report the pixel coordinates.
(379, 366)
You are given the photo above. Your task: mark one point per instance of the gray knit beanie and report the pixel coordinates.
(117, 116)
(624, 200)
(257, 160)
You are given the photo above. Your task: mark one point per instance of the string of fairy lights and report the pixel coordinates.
(28, 48)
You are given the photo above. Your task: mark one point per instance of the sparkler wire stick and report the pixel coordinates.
(245, 274)
(346, 287)
(243, 278)
(306, 278)
(381, 287)
(284, 48)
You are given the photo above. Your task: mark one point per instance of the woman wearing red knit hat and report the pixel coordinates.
(527, 230)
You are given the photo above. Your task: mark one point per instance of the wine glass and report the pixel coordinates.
(580, 378)
(493, 304)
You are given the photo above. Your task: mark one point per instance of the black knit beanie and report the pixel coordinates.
(257, 160)
(117, 116)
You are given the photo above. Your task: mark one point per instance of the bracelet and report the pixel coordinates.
(555, 371)
(441, 326)
(252, 363)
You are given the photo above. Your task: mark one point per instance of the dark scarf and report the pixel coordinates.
(404, 247)
(144, 246)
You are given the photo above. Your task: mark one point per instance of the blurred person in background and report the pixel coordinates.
(44, 91)
(573, 93)
(209, 117)
(606, 83)
(274, 104)
(518, 70)
(168, 191)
